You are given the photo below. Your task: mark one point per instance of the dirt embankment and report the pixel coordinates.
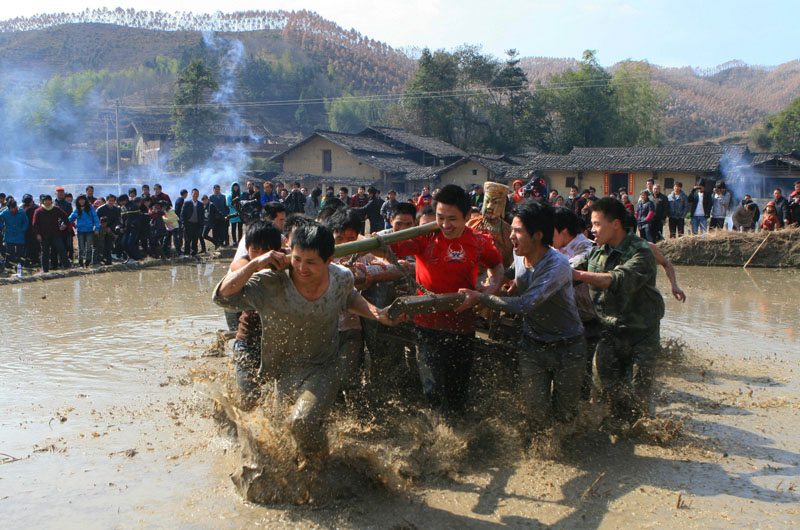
(734, 249)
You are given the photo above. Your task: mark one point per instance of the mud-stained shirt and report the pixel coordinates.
(296, 333)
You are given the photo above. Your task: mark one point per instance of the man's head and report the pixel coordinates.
(295, 185)
(426, 215)
(566, 225)
(797, 186)
(184, 193)
(122, 200)
(145, 189)
(131, 193)
(777, 193)
(494, 201)
(426, 190)
(216, 189)
(261, 237)
(157, 188)
(345, 225)
(268, 187)
(344, 193)
(46, 201)
(60, 194)
(373, 191)
(195, 194)
(403, 216)
(362, 191)
(656, 189)
(592, 191)
(553, 194)
(250, 185)
(11, 204)
(644, 196)
(532, 227)
(312, 247)
(650, 184)
(452, 206)
(608, 221)
(275, 212)
(90, 191)
(392, 195)
(573, 192)
(205, 200)
(677, 187)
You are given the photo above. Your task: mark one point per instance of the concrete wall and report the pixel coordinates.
(307, 160)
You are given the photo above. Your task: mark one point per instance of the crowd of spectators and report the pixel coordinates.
(44, 233)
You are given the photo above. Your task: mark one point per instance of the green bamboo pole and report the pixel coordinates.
(370, 243)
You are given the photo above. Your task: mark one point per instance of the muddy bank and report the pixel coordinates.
(734, 249)
(31, 275)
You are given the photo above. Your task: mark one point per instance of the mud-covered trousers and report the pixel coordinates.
(625, 363)
(445, 362)
(551, 376)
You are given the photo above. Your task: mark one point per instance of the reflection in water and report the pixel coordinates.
(98, 332)
(737, 311)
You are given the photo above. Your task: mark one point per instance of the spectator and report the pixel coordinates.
(212, 218)
(14, 223)
(661, 207)
(645, 214)
(722, 203)
(220, 224)
(193, 218)
(160, 197)
(90, 195)
(32, 245)
(781, 208)
(275, 212)
(314, 203)
(173, 226)
(88, 224)
(295, 201)
(626, 201)
(772, 220)
(372, 211)
(678, 208)
(234, 199)
(131, 214)
(744, 216)
(49, 221)
(269, 194)
(424, 199)
(388, 208)
(700, 202)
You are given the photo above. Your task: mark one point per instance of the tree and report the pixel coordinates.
(193, 125)
(639, 105)
(784, 128)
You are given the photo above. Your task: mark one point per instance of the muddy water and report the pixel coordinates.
(96, 401)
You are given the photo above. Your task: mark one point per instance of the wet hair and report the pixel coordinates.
(314, 236)
(536, 216)
(404, 208)
(454, 195)
(426, 210)
(567, 218)
(263, 235)
(611, 208)
(344, 219)
(272, 209)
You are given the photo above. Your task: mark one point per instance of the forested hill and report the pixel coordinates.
(705, 104)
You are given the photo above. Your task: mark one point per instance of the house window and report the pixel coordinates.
(474, 171)
(669, 182)
(326, 161)
(570, 182)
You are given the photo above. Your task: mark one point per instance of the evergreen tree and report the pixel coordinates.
(784, 128)
(193, 126)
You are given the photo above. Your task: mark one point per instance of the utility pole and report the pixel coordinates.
(116, 124)
(107, 117)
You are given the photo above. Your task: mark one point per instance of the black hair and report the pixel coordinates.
(272, 209)
(454, 195)
(611, 208)
(195, 190)
(122, 198)
(131, 190)
(344, 219)
(157, 185)
(344, 189)
(679, 184)
(295, 183)
(651, 179)
(11, 204)
(46, 198)
(263, 235)
(89, 186)
(553, 190)
(183, 191)
(331, 206)
(315, 196)
(295, 220)
(404, 208)
(536, 216)
(314, 236)
(567, 218)
(373, 190)
(238, 191)
(87, 206)
(425, 210)
(146, 186)
(111, 195)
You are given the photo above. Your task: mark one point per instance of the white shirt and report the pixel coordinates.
(699, 211)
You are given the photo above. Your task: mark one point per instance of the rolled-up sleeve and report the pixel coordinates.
(549, 280)
(251, 297)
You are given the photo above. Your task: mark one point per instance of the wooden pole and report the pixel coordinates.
(757, 249)
(370, 243)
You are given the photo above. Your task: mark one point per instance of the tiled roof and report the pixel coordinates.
(351, 142)
(423, 173)
(428, 144)
(389, 164)
(786, 158)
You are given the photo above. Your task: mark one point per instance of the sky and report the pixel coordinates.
(700, 33)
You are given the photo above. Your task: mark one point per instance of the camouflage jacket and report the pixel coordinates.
(632, 301)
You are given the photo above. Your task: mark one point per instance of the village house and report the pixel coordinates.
(768, 171)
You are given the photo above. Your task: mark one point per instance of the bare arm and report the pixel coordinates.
(669, 270)
(495, 278)
(234, 281)
(362, 307)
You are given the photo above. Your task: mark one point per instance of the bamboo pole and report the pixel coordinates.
(757, 249)
(370, 243)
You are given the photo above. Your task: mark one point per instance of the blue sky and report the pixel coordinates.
(701, 33)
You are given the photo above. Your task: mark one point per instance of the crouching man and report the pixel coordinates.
(299, 306)
(552, 355)
(621, 273)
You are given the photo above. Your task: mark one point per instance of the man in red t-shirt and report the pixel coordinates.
(424, 199)
(446, 261)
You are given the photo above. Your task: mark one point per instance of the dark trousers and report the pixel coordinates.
(191, 236)
(657, 229)
(236, 231)
(551, 375)
(676, 227)
(32, 249)
(15, 252)
(67, 241)
(130, 243)
(646, 231)
(445, 362)
(716, 222)
(625, 367)
(53, 245)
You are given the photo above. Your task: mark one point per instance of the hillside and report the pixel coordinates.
(314, 57)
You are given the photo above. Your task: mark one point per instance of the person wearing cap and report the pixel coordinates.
(14, 223)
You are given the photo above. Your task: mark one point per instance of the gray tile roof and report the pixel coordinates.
(428, 144)
(786, 158)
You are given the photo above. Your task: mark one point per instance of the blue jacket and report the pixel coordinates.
(86, 222)
(15, 224)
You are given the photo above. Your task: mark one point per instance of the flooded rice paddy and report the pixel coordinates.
(102, 423)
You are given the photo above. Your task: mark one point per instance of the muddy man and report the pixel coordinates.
(299, 308)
